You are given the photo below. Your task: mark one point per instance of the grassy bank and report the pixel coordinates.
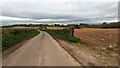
(59, 34)
(12, 36)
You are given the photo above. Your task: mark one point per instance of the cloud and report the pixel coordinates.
(58, 12)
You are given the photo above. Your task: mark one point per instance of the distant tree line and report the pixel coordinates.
(103, 25)
(35, 25)
(111, 25)
(76, 26)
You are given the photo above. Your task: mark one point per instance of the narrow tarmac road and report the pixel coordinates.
(41, 50)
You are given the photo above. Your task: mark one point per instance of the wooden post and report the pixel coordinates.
(45, 27)
(72, 31)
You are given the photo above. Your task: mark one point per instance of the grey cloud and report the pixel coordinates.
(86, 12)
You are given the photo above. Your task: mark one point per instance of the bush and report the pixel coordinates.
(59, 34)
(73, 39)
(12, 36)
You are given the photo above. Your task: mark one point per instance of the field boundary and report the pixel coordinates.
(13, 48)
(10, 50)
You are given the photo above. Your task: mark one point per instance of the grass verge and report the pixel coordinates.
(11, 37)
(59, 34)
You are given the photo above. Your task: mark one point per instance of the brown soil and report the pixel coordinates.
(103, 38)
(90, 56)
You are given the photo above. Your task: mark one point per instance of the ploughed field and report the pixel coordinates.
(106, 38)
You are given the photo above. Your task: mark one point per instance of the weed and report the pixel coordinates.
(12, 36)
(60, 34)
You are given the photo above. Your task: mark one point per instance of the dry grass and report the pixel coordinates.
(21, 27)
(54, 28)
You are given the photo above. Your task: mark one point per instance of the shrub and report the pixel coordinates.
(12, 36)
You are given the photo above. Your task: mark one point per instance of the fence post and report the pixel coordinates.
(45, 27)
(72, 31)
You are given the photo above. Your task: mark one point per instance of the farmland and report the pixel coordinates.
(99, 37)
(21, 27)
(55, 28)
(101, 47)
(11, 37)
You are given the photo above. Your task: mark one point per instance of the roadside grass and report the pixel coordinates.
(11, 37)
(59, 34)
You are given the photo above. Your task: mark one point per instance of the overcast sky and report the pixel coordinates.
(58, 11)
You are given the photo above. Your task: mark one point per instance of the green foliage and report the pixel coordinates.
(103, 25)
(73, 39)
(111, 25)
(76, 26)
(59, 34)
(12, 36)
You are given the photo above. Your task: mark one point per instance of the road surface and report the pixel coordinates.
(41, 50)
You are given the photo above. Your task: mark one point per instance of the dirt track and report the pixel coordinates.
(41, 50)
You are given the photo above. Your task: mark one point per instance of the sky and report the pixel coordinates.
(58, 11)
